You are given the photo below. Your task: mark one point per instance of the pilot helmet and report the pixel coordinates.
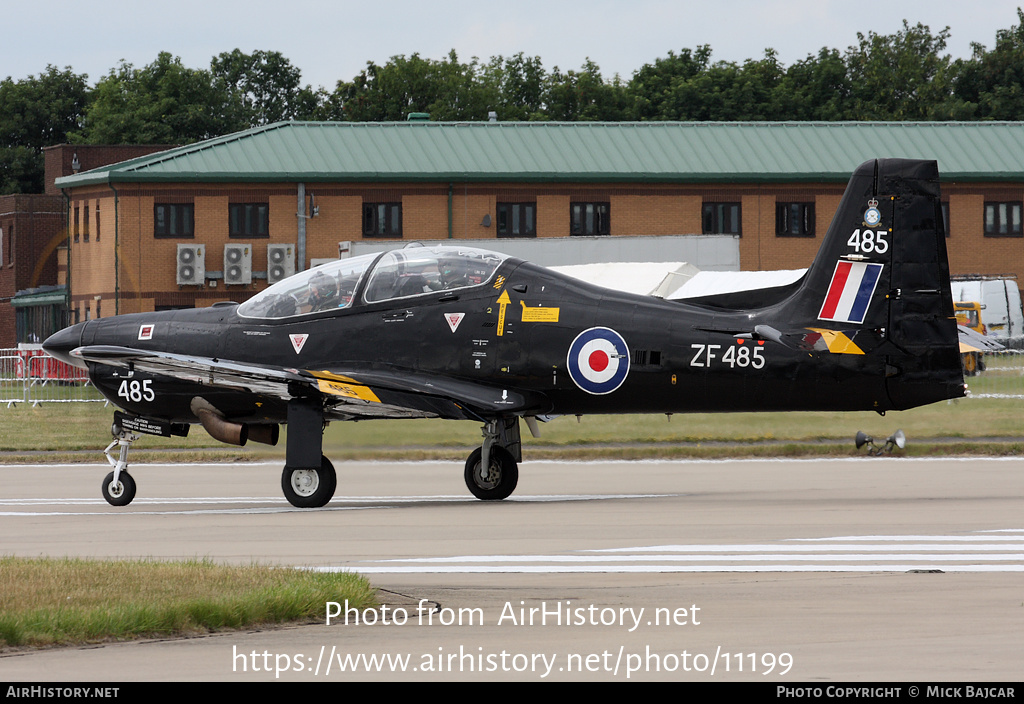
(452, 269)
(321, 287)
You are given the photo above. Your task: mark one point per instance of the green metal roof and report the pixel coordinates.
(41, 296)
(647, 152)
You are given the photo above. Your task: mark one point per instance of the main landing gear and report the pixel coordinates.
(310, 488)
(494, 481)
(492, 470)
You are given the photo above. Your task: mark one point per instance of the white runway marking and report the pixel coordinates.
(982, 552)
(229, 504)
(193, 512)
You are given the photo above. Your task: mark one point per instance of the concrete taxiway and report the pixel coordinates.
(765, 570)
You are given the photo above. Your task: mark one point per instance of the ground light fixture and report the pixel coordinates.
(897, 439)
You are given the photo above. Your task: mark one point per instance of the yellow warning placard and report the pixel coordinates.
(335, 388)
(539, 314)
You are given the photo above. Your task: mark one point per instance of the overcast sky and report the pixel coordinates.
(333, 39)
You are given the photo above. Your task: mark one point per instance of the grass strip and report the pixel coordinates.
(77, 432)
(578, 452)
(67, 601)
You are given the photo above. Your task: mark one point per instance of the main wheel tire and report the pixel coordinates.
(120, 494)
(499, 481)
(310, 488)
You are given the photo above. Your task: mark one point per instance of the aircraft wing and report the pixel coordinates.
(479, 400)
(348, 393)
(812, 339)
(971, 341)
(844, 341)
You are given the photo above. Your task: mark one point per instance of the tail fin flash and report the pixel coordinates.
(850, 291)
(883, 267)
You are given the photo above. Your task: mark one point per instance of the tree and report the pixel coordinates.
(161, 103)
(817, 88)
(991, 85)
(36, 112)
(21, 170)
(386, 93)
(514, 87)
(899, 76)
(458, 91)
(268, 86)
(448, 90)
(584, 95)
(688, 86)
(740, 93)
(655, 89)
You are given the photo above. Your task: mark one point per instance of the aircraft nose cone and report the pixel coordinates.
(60, 344)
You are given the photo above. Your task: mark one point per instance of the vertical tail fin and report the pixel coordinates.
(883, 267)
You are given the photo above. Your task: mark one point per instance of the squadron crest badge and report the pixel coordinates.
(872, 216)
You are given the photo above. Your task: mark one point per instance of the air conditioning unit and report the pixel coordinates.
(238, 264)
(191, 264)
(280, 262)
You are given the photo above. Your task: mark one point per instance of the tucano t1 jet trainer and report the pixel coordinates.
(464, 334)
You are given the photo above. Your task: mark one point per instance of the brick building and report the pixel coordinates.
(68, 159)
(33, 244)
(294, 190)
(31, 231)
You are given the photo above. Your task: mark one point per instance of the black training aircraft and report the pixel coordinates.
(459, 333)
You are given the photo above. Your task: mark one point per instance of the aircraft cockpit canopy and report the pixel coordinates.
(417, 270)
(397, 274)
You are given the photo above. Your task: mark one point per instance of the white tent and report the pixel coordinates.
(709, 283)
(645, 278)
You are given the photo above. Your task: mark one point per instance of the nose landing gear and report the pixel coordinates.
(119, 487)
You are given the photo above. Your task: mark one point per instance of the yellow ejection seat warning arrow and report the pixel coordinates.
(503, 301)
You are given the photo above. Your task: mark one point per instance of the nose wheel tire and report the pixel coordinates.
(309, 488)
(496, 482)
(121, 493)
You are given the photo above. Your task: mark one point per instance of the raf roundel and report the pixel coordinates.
(598, 360)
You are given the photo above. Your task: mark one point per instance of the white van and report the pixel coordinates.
(1000, 297)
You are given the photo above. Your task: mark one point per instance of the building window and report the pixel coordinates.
(721, 218)
(174, 220)
(1003, 219)
(249, 220)
(382, 219)
(97, 221)
(517, 219)
(945, 216)
(589, 219)
(794, 219)
(75, 227)
(85, 225)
